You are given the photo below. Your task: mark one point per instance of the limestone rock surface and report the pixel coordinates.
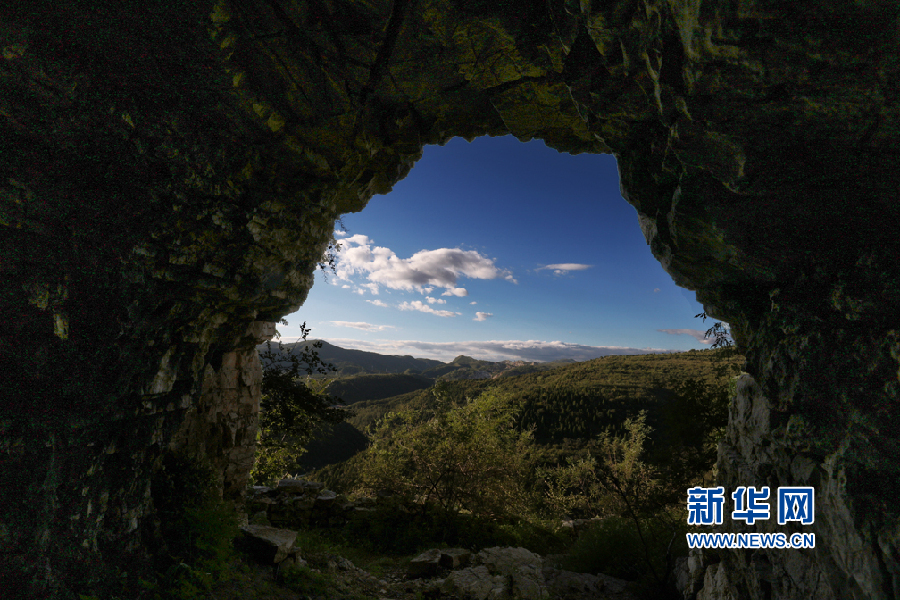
(268, 545)
(513, 573)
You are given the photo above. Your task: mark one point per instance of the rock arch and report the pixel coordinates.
(172, 170)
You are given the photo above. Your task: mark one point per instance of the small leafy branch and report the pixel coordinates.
(330, 257)
(291, 406)
(722, 340)
(720, 335)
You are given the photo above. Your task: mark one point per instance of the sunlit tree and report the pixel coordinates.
(293, 403)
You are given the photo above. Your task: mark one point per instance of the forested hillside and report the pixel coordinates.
(359, 388)
(572, 401)
(569, 406)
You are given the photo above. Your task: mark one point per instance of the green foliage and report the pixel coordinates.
(375, 387)
(692, 422)
(632, 433)
(618, 483)
(290, 408)
(632, 499)
(394, 529)
(470, 457)
(574, 401)
(304, 580)
(196, 525)
(613, 546)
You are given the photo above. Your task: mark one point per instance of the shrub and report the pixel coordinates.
(467, 458)
(291, 406)
(617, 483)
(614, 547)
(197, 528)
(634, 539)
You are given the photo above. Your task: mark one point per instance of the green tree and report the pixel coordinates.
(620, 487)
(291, 406)
(470, 457)
(616, 483)
(692, 422)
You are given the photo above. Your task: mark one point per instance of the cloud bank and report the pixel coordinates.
(563, 268)
(421, 272)
(494, 350)
(422, 307)
(361, 325)
(698, 335)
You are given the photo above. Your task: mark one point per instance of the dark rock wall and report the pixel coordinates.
(170, 173)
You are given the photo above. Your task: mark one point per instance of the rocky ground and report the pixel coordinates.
(495, 573)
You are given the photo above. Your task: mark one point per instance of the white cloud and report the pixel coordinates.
(563, 268)
(655, 290)
(435, 300)
(473, 303)
(361, 325)
(338, 233)
(456, 292)
(422, 307)
(372, 288)
(496, 350)
(482, 316)
(422, 272)
(700, 336)
(377, 303)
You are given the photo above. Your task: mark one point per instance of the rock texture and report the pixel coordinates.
(221, 425)
(268, 545)
(170, 173)
(500, 573)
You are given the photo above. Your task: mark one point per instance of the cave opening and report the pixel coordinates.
(500, 250)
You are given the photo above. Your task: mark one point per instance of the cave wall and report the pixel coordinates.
(170, 173)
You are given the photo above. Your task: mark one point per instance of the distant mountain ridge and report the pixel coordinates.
(352, 362)
(360, 362)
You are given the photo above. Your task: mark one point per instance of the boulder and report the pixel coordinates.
(453, 558)
(260, 518)
(514, 573)
(325, 499)
(566, 585)
(431, 561)
(267, 545)
(475, 582)
(716, 584)
(426, 564)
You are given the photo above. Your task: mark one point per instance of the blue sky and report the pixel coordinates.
(500, 250)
